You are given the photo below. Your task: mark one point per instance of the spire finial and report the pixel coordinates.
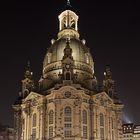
(68, 2)
(28, 65)
(28, 73)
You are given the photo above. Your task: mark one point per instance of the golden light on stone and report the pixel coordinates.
(67, 104)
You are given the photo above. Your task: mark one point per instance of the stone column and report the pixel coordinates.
(42, 121)
(91, 121)
(77, 119)
(119, 126)
(58, 119)
(97, 123)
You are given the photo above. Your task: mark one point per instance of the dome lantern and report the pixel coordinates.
(68, 19)
(68, 22)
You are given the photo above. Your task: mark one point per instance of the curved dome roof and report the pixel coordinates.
(80, 52)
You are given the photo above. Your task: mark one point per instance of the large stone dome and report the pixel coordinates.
(80, 54)
(68, 42)
(79, 51)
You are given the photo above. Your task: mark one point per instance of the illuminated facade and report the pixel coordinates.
(68, 105)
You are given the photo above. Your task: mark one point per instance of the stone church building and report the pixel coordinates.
(68, 104)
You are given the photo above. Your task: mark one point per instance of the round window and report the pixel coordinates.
(67, 94)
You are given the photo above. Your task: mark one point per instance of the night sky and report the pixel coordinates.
(112, 32)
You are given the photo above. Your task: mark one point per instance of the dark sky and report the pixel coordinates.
(110, 27)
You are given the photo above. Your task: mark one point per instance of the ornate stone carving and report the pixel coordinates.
(77, 102)
(34, 102)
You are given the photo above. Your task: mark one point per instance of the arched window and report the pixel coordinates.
(67, 122)
(67, 111)
(84, 124)
(51, 117)
(102, 126)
